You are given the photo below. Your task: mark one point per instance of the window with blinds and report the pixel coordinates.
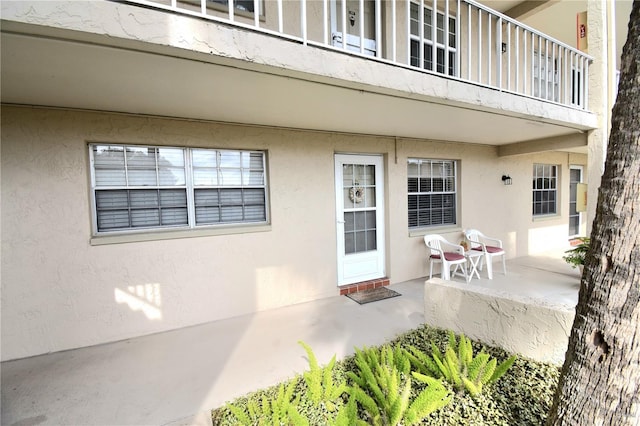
(147, 187)
(431, 192)
(545, 189)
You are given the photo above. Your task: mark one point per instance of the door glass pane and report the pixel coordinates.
(371, 240)
(360, 231)
(346, 195)
(360, 221)
(349, 243)
(574, 215)
(574, 225)
(369, 177)
(370, 197)
(359, 196)
(349, 221)
(371, 219)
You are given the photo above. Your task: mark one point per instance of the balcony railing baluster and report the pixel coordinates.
(344, 24)
(509, 55)
(524, 62)
(458, 73)
(378, 17)
(256, 16)
(393, 32)
(479, 80)
(585, 85)
(303, 20)
(499, 53)
(468, 42)
(517, 76)
(489, 65)
(281, 19)
(532, 63)
(445, 36)
(434, 34)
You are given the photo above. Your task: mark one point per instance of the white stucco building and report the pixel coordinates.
(168, 163)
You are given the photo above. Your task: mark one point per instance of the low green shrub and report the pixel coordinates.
(383, 387)
(321, 386)
(271, 411)
(578, 254)
(458, 366)
(523, 395)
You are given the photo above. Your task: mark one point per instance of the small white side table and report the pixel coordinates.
(473, 258)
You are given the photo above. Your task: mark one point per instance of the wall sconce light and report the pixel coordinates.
(504, 47)
(506, 179)
(352, 17)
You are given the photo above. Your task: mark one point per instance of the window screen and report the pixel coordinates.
(431, 192)
(141, 187)
(545, 189)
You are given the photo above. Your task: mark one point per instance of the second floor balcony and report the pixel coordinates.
(385, 67)
(462, 39)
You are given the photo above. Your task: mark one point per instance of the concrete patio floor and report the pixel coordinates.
(177, 377)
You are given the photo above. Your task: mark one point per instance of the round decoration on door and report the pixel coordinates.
(356, 193)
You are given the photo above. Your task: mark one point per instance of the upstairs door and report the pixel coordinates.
(360, 218)
(359, 22)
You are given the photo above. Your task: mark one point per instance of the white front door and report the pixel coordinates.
(360, 218)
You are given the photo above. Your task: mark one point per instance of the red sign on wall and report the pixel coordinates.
(581, 31)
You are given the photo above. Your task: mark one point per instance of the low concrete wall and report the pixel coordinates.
(530, 327)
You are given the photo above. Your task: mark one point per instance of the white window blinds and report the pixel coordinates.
(138, 187)
(431, 192)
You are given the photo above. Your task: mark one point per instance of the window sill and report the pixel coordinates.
(175, 234)
(545, 217)
(421, 232)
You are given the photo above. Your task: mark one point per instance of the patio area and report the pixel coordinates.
(176, 377)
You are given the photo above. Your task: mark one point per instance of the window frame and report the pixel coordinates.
(453, 193)
(545, 189)
(190, 187)
(546, 82)
(445, 46)
(238, 10)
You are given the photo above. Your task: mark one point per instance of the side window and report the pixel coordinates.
(432, 192)
(545, 189)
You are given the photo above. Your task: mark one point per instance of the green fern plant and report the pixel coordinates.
(383, 388)
(458, 366)
(348, 415)
(321, 387)
(270, 411)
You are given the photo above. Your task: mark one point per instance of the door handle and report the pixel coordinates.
(340, 221)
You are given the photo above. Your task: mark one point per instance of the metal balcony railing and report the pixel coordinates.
(462, 40)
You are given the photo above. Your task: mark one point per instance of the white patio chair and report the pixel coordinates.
(446, 253)
(491, 247)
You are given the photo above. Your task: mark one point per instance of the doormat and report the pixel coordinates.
(372, 295)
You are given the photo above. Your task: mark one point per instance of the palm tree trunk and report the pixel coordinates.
(600, 380)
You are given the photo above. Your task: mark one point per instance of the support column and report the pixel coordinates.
(600, 27)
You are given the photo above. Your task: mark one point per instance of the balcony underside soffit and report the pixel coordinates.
(121, 76)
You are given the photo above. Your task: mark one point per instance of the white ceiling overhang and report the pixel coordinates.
(66, 69)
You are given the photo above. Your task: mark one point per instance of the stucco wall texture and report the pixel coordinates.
(63, 290)
(534, 328)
